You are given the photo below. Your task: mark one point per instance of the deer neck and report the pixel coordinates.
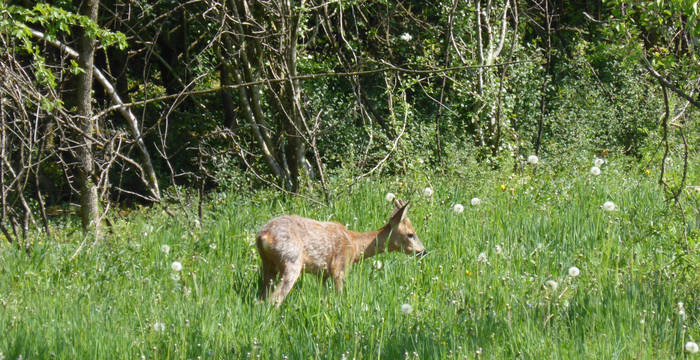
(370, 243)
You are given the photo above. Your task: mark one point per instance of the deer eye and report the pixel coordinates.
(411, 236)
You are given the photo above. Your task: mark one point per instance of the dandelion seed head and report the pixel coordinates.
(533, 159)
(691, 347)
(176, 266)
(165, 248)
(406, 308)
(377, 264)
(609, 206)
(551, 284)
(574, 271)
(598, 162)
(476, 201)
(428, 192)
(390, 197)
(595, 171)
(482, 258)
(458, 208)
(498, 249)
(158, 326)
(406, 37)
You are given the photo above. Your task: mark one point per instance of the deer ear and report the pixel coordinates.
(399, 214)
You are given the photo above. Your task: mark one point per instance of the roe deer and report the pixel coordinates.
(289, 245)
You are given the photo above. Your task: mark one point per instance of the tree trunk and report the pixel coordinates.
(226, 97)
(89, 210)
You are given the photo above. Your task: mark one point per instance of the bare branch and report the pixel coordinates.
(120, 106)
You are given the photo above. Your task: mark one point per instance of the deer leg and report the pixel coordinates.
(339, 280)
(290, 274)
(269, 274)
(338, 272)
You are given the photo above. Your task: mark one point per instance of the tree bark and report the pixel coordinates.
(89, 208)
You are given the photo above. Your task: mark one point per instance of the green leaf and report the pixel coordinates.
(75, 68)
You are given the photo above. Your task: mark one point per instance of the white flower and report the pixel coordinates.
(574, 271)
(476, 201)
(482, 258)
(498, 249)
(691, 347)
(609, 206)
(533, 159)
(165, 248)
(377, 264)
(458, 208)
(595, 171)
(598, 162)
(407, 309)
(176, 266)
(428, 192)
(159, 326)
(406, 37)
(551, 284)
(390, 197)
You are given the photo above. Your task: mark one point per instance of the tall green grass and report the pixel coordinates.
(105, 303)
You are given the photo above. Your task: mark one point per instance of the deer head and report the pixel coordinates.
(403, 237)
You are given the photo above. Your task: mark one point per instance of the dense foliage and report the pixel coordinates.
(391, 80)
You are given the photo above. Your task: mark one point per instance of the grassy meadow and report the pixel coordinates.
(496, 283)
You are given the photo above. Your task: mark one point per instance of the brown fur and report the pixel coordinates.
(289, 245)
